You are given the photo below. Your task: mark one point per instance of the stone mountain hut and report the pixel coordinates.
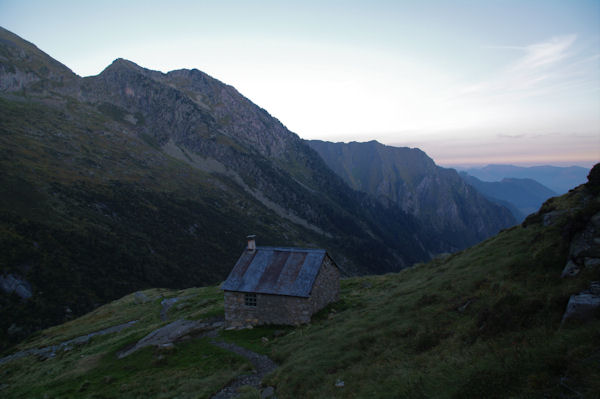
(272, 285)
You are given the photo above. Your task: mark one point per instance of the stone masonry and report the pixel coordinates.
(283, 309)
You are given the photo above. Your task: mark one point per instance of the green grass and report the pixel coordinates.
(84, 204)
(118, 312)
(259, 339)
(484, 322)
(193, 368)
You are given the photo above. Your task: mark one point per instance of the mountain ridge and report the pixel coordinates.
(559, 179)
(523, 196)
(28, 65)
(408, 178)
(124, 176)
(150, 178)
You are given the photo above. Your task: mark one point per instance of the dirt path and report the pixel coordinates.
(263, 365)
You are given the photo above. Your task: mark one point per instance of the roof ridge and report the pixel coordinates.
(276, 270)
(292, 249)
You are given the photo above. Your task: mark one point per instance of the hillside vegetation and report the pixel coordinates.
(484, 322)
(134, 179)
(88, 215)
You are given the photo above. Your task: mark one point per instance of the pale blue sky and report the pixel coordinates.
(466, 81)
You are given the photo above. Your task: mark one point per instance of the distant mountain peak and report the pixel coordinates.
(122, 64)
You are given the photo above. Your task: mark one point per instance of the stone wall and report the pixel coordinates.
(269, 309)
(281, 309)
(326, 288)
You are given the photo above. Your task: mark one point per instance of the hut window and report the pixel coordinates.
(250, 299)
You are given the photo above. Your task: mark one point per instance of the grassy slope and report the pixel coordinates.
(485, 322)
(193, 368)
(406, 335)
(403, 335)
(91, 209)
(90, 212)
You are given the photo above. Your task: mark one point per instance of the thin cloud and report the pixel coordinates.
(511, 136)
(545, 53)
(544, 68)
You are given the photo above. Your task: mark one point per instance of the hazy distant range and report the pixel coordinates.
(523, 189)
(558, 179)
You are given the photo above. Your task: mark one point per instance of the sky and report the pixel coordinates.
(469, 82)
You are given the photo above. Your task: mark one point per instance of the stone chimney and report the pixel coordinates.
(251, 243)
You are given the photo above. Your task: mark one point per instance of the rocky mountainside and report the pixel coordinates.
(409, 179)
(135, 178)
(558, 179)
(23, 65)
(198, 120)
(521, 196)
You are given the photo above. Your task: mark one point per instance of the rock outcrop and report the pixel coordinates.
(585, 305)
(407, 178)
(584, 250)
(10, 283)
(168, 334)
(52, 350)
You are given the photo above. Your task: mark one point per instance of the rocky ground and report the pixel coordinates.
(51, 351)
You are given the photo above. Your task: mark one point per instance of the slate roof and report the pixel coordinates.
(275, 270)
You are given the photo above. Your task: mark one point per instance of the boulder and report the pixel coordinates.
(585, 243)
(11, 283)
(585, 305)
(584, 249)
(571, 269)
(140, 297)
(167, 334)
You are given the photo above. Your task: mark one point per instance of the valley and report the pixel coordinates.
(125, 199)
(134, 179)
(489, 321)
